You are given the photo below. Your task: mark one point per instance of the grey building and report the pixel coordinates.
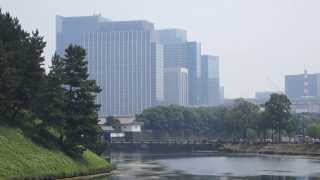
(176, 83)
(221, 94)
(193, 63)
(297, 86)
(123, 57)
(157, 81)
(178, 52)
(70, 29)
(210, 87)
(305, 105)
(172, 36)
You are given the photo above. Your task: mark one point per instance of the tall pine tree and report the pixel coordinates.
(20, 67)
(82, 130)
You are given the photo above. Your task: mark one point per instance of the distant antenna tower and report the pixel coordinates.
(306, 84)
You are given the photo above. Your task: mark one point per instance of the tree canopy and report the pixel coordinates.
(242, 121)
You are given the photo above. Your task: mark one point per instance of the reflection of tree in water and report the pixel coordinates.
(177, 175)
(148, 167)
(192, 177)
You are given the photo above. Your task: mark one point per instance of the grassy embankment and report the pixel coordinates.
(21, 158)
(290, 149)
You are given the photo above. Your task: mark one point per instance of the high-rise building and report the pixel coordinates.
(221, 92)
(157, 81)
(210, 87)
(172, 36)
(123, 57)
(301, 85)
(193, 63)
(70, 29)
(176, 83)
(178, 52)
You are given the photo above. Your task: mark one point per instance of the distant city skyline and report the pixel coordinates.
(179, 52)
(258, 42)
(137, 66)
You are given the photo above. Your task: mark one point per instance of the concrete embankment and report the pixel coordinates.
(290, 149)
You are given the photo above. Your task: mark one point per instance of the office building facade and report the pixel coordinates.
(123, 57)
(178, 52)
(193, 63)
(157, 70)
(297, 86)
(176, 83)
(172, 36)
(210, 85)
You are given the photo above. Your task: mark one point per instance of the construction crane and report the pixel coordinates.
(274, 85)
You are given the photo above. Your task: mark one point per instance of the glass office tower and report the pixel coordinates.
(123, 57)
(297, 86)
(179, 53)
(210, 87)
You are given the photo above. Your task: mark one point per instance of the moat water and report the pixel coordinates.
(206, 166)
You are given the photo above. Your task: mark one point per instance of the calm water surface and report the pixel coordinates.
(214, 166)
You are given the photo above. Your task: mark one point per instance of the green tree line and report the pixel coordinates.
(242, 121)
(57, 109)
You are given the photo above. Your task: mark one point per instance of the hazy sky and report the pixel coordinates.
(258, 41)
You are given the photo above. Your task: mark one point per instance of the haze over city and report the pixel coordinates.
(160, 89)
(258, 41)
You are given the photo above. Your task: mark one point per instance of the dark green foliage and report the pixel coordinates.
(241, 118)
(169, 122)
(292, 126)
(50, 105)
(58, 109)
(243, 121)
(278, 111)
(313, 130)
(80, 117)
(20, 67)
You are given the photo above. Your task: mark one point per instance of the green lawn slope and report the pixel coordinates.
(21, 158)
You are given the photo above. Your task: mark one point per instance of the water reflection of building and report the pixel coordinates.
(302, 178)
